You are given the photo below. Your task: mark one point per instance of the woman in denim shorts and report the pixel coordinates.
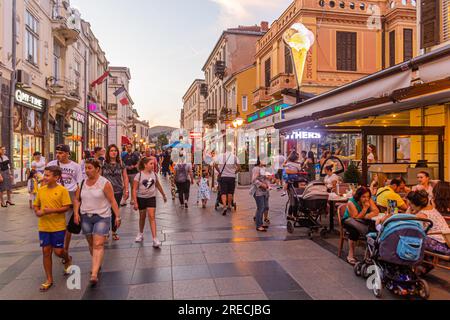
(93, 202)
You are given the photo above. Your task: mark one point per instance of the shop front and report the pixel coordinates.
(98, 128)
(28, 131)
(75, 135)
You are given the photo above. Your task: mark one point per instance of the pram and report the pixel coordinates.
(219, 200)
(392, 256)
(306, 205)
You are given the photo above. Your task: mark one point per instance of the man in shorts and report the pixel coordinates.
(227, 164)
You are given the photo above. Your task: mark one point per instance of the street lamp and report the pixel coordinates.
(238, 122)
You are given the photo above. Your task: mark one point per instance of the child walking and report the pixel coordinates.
(204, 192)
(144, 195)
(32, 186)
(51, 204)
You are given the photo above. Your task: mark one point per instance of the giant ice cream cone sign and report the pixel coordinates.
(299, 39)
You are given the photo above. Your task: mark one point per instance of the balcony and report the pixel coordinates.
(261, 97)
(64, 92)
(210, 117)
(219, 69)
(66, 23)
(279, 83)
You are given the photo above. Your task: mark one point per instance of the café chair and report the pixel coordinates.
(343, 234)
(436, 259)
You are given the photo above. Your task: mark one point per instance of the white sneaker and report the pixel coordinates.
(139, 237)
(156, 243)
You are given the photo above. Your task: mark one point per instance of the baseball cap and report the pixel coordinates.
(63, 148)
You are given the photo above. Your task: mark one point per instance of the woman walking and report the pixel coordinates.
(183, 171)
(260, 191)
(144, 195)
(115, 172)
(94, 200)
(6, 178)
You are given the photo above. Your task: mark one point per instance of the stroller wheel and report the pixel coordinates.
(364, 271)
(357, 269)
(423, 289)
(290, 227)
(377, 293)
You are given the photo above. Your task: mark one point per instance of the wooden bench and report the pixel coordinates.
(439, 260)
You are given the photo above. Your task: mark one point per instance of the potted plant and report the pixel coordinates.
(352, 175)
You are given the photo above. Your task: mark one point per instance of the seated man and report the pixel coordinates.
(389, 193)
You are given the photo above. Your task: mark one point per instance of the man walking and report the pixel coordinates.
(228, 166)
(71, 178)
(131, 161)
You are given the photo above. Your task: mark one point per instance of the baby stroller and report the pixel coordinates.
(392, 256)
(219, 203)
(306, 205)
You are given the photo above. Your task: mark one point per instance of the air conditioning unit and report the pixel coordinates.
(24, 79)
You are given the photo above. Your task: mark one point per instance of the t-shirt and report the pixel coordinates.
(439, 224)
(71, 174)
(131, 160)
(279, 161)
(187, 168)
(330, 179)
(53, 198)
(93, 199)
(228, 163)
(146, 184)
(113, 173)
(386, 194)
(40, 165)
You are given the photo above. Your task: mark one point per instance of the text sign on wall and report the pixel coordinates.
(301, 135)
(28, 99)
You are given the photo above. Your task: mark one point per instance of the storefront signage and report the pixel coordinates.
(78, 117)
(268, 111)
(301, 135)
(94, 107)
(29, 100)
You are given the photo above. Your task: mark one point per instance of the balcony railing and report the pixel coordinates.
(261, 97)
(66, 22)
(280, 82)
(64, 87)
(210, 117)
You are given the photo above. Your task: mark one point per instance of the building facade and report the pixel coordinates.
(194, 105)
(234, 51)
(353, 40)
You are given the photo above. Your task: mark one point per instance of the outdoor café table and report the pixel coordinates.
(334, 200)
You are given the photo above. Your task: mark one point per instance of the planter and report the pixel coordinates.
(244, 178)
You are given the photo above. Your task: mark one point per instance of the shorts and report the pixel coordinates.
(227, 185)
(145, 203)
(279, 174)
(95, 225)
(70, 211)
(53, 239)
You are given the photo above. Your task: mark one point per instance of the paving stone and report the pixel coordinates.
(185, 249)
(143, 276)
(153, 262)
(237, 286)
(194, 289)
(188, 259)
(243, 297)
(190, 272)
(151, 291)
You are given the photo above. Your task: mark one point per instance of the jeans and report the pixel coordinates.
(118, 197)
(184, 189)
(262, 205)
(95, 225)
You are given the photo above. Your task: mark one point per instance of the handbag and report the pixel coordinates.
(72, 227)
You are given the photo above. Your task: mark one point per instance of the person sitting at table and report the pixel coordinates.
(441, 198)
(403, 189)
(331, 179)
(390, 193)
(378, 181)
(422, 207)
(423, 179)
(357, 219)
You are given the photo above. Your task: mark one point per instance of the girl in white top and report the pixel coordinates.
(92, 208)
(423, 178)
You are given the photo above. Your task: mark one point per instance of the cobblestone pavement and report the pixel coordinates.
(204, 256)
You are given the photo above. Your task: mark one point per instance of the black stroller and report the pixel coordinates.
(306, 205)
(393, 254)
(219, 203)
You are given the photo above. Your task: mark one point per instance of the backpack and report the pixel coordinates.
(181, 174)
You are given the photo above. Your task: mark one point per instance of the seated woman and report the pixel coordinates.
(331, 179)
(423, 208)
(378, 181)
(357, 219)
(423, 179)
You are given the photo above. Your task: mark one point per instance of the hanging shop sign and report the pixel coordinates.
(78, 117)
(267, 111)
(28, 99)
(303, 135)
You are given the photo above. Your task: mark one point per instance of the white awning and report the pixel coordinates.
(435, 70)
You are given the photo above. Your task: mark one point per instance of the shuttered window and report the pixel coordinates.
(346, 51)
(429, 22)
(446, 20)
(287, 60)
(407, 44)
(267, 73)
(392, 48)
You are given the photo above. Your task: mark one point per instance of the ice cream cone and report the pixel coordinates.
(299, 39)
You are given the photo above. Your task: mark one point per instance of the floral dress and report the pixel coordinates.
(203, 190)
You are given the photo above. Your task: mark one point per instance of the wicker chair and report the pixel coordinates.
(343, 234)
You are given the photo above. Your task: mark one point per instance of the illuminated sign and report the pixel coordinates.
(267, 112)
(29, 100)
(94, 107)
(299, 135)
(78, 117)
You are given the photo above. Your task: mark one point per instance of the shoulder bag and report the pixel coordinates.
(72, 227)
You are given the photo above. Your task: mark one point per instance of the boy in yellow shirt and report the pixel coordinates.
(51, 204)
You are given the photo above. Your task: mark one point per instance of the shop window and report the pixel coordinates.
(346, 51)
(392, 48)
(407, 44)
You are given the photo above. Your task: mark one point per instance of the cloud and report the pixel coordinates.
(234, 12)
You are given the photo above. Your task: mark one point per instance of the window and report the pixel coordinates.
(244, 103)
(31, 38)
(346, 51)
(267, 73)
(407, 44)
(287, 60)
(392, 48)
(429, 23)
(56, 59)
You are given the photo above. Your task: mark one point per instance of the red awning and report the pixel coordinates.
(125, 140)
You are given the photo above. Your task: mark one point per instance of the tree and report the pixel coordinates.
(162, 141)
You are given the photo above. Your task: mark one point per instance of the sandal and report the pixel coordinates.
(63, 261)
(352, 261)
(4, 205)
(115, 237)
(261, 229)
(10, 203)
(93, 283)
(267, 221)
(45, 287)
